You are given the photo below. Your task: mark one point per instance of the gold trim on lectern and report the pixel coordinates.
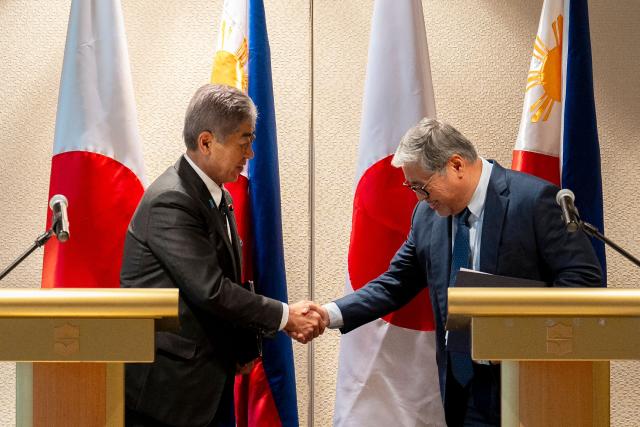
(92, 303)
(552, 302)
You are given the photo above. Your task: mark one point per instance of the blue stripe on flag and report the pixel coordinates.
(581, 151)
(264, 191)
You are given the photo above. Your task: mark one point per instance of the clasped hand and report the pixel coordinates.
(307, 320)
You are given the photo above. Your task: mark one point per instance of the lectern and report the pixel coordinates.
(555, 345)
(78, 341)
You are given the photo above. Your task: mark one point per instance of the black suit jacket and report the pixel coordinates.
(177, 238)
(522, 236)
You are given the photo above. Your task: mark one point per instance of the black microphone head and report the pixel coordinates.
(565, 192)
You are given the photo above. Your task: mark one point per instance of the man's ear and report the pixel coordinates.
(457, 164)
(204, 141)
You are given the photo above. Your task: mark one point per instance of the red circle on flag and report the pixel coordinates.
(382, 209)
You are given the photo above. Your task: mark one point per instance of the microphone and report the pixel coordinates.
(565, 199)
(60, 221)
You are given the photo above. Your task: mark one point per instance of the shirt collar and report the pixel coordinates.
(214, 189)
(476, 205)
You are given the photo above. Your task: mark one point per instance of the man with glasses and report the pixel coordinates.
(472, 213)
(183, 236)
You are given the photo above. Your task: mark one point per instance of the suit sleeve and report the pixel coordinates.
(569, 256)
(178, 237)
(390, 291)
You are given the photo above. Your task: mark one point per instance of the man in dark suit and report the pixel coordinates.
(475, 214)
(183, 236)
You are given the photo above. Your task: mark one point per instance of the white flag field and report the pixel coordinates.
(387, 372)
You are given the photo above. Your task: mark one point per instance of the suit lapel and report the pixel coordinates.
(495, 209)
(199, 191)
(441, 260)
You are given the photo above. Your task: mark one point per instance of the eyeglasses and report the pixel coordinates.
(420, 189)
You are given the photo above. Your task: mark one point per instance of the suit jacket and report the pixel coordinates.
(177, 238)
(522, 236)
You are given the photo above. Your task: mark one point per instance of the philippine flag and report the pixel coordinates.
(267, 396)
(558, 137)
(387, 374)
(97, 159)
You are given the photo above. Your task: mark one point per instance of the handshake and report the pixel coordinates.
(307, 320)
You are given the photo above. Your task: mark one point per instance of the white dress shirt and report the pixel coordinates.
(476, 206)
(216, 194)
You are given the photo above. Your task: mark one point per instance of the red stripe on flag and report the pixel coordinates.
(254, 403)
(382, 210)
(102, 195)
(239, 191)
(255, 406)
(541, 165)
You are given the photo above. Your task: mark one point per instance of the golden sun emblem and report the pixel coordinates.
(228, 67)
(549, 75)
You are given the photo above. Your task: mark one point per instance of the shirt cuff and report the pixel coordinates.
(285, 316)
(335, 315)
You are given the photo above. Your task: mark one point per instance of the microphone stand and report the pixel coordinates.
(591, 230)
(40, 241)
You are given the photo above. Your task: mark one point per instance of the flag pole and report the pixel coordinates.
(312, 255)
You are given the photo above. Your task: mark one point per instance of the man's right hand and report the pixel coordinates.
(305, 321)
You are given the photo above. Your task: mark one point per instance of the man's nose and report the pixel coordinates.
(249, 153)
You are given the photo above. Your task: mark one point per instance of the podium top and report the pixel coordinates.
(543, 302)
(88, 303)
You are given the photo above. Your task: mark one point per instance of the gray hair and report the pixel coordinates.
(431, 143)
(219, 109)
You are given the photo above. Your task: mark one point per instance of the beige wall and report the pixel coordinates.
(480, 53)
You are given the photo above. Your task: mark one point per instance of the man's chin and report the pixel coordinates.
(442, 211)
(439, 209)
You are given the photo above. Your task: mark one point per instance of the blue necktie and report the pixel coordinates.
(461, 365)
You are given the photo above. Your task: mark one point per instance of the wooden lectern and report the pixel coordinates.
(555, 345)
(79, 340)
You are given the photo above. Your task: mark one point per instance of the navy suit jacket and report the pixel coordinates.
(523, 235)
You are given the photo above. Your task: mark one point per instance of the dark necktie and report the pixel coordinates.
(224, 208)
(461, 256)
(458, 341)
